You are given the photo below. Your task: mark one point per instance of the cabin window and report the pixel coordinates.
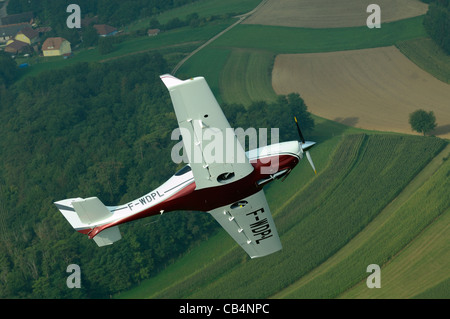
(183, 171)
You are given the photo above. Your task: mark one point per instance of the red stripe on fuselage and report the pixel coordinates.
(207, 199)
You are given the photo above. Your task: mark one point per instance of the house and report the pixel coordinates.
(27, 35)
(7, 32)
(153, 32)
(16, 47)
(87, 21)
(105, 30)
(56, 46)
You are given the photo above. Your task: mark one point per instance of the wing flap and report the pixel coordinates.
(250, 223)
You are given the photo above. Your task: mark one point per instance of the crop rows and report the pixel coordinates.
(413, 237)
(246, 77)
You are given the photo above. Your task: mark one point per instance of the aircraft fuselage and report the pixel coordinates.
(179, 192)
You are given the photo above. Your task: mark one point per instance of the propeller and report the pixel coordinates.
(305, 146)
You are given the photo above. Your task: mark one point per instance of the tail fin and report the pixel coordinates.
(84, 214)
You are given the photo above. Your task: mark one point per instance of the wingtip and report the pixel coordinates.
(169, 80)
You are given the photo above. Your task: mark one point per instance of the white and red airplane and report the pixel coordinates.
(232, 191)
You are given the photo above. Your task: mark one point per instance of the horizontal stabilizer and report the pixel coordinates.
(108, 236)
(91, 210)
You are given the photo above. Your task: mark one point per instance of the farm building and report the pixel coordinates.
(7, 32)
(153, 32)
(105, 30)
(16, 47)
(27, 35)
(56, 46)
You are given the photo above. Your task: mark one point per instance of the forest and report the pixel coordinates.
(98, 129)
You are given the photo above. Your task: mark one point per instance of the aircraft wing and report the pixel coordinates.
(213, 150)
(250, 223)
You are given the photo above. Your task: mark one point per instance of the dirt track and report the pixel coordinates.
(372, 89)
(332, 13)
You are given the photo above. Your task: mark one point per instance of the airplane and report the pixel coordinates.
(231, 191)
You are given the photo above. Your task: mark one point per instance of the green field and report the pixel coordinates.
(420, 267)
(235, 76)
(246, 77)
(427, 55)
(393, 237)
(304, 40)
(207, 63)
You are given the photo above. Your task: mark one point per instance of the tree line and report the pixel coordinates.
(98, 129)
(115, 12)
(437, 23)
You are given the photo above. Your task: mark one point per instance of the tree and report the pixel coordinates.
(105, 46)
(174, 23)
(90, 37)
(436, 23)
(422, 121)
(8, 69)
(154, 24)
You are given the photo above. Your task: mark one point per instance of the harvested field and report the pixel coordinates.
(373, 89)
(332, 13)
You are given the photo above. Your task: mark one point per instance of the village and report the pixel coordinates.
(24, 38)
(20, 35)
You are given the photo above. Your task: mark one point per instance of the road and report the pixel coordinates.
(241, 18)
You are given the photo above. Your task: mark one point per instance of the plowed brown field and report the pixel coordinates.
(373, 89)
(332, 13)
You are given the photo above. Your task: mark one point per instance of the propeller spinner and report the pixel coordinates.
(305, 145)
